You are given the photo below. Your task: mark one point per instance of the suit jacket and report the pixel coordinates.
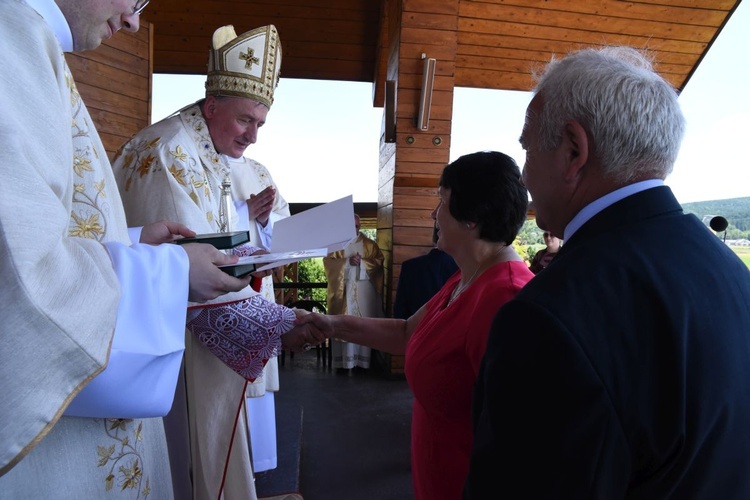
(623, 370)
(420, 279)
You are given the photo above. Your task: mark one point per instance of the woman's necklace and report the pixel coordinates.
(482, 266)
(460, 289)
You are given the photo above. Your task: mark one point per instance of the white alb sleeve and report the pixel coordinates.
(144, 362)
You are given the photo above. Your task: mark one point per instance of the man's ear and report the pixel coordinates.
(576, 149)
(209, 107)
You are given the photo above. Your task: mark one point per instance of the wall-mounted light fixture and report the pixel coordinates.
(390, 111)
(425, 98)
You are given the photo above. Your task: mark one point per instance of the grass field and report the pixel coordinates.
(744, 253)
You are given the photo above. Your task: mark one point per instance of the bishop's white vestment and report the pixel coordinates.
(171, 170)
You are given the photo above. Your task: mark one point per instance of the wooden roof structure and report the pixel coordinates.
(490, 44)
(495, 43)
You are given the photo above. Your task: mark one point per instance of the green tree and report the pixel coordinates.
(370, 233)
(529, 240)
(311, 271)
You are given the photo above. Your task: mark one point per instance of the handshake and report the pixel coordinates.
(310, 330)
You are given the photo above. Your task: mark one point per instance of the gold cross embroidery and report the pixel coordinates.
(249, 58)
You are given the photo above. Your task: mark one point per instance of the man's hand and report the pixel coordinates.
(206, 280)
(164, 232)
(355, 259)
(259, 205)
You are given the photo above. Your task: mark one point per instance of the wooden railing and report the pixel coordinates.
(287, 291)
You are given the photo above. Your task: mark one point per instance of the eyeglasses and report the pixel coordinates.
(139, 6)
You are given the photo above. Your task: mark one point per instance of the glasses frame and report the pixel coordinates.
(139, 6)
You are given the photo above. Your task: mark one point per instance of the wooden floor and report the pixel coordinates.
(340, 436)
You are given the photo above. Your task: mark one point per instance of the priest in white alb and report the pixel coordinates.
(190, 166)
(92, 335)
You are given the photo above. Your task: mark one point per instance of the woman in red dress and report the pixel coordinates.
(482, 206)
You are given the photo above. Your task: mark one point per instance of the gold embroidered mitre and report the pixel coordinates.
(244, 66)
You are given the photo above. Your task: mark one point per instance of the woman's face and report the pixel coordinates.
(450, 231)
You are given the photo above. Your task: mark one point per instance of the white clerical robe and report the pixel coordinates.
(171, 170)
(354, 290)
(63, 229)
(250, 177)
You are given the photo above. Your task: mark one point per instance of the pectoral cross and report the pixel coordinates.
(225, 201)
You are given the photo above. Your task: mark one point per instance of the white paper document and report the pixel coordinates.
(313, 233)
(271, 260)
(329, 226)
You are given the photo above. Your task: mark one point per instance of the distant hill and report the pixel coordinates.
(735, 210)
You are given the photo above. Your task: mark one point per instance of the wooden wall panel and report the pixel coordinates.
(115, 83)
(409, 236)
(419, 218)
(99, 99)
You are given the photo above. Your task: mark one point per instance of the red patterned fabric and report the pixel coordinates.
(243, 335)
(243, 251)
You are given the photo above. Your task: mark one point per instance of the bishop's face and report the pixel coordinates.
(233, 123)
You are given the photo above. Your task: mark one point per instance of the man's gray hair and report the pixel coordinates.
(630, 112)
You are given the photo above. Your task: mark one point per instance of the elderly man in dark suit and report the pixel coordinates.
(623, 370)
(421, 278)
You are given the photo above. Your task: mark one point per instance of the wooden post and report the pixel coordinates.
(411, 166)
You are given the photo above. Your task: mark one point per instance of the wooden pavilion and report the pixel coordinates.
(393, 44)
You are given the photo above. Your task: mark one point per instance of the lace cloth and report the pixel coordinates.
(243, 335)
(245, 250)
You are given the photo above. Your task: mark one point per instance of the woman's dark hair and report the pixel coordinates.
(486, 189)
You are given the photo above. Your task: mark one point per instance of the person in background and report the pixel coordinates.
(190, 167)
(544, 256)
(622, 370)
(355, 287)
(80, 417)
(421, 278)
(481, 207)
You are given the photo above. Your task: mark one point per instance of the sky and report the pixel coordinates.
(321, 138)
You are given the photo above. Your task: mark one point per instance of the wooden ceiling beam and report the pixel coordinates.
(538, 51)
(590, 33)
(713, 15)
(617, 5)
